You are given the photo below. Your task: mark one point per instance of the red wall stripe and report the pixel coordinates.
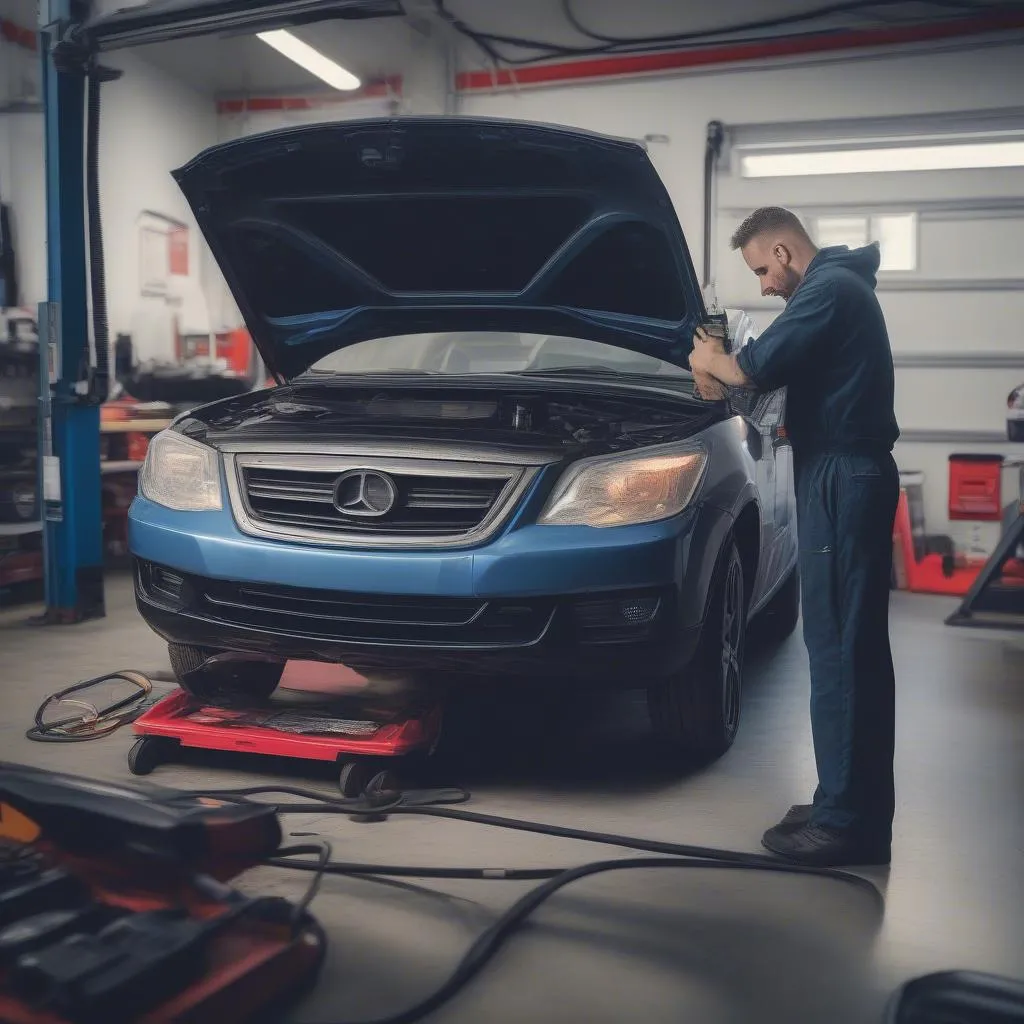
(23, 37)
(255, 104)
(678, 60)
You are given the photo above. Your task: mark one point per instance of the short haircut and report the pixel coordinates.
(764, 220)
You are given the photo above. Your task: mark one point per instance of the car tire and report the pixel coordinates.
(780, 617)
(697, 711)
(259, 682)
(185, 659)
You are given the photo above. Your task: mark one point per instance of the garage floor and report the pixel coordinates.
(681, 946)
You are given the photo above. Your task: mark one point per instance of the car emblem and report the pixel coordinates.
(364, 493)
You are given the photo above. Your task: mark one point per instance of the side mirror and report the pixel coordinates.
(958, 997)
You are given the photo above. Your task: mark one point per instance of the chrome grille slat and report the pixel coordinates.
(283, 493)
(422, 497)
(332, 523)
(294, 497)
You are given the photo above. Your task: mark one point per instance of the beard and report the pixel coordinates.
(788, 286)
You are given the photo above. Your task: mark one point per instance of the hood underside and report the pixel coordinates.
(330, 235)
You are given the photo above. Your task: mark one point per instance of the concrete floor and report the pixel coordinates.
(706, 947)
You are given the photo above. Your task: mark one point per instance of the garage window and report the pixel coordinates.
(924, 154)
(895, 233)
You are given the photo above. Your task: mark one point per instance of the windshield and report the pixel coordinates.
(484, 352)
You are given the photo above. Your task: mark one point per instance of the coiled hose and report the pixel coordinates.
(91, 722)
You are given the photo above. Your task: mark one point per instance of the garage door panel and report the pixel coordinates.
(951, 322)
(972, 248)
(938, 399)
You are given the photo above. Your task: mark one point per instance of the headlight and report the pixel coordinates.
(181, 474)
(621, 491)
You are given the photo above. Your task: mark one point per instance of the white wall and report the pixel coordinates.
(21, 158)
(22, 186)
(151, 123)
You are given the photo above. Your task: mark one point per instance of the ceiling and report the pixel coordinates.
(381, 47)
(244, 65)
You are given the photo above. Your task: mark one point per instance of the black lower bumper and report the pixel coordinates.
(618, 638)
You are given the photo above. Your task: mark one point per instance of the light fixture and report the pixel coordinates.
(948, 157)
(313, 61)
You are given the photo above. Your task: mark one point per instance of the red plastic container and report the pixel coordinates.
(927, 575)
(975, 488)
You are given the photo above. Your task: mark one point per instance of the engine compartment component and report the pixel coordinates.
(550, 417)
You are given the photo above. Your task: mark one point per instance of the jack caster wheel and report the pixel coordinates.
(148, 753)
(359, 777)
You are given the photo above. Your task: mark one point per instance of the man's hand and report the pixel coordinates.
(705, 348)
(709, 359)
(708, 388)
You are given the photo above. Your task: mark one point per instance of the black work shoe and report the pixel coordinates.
(796, 817)
(821, 846)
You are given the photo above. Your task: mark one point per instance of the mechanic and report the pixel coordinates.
(830, 349)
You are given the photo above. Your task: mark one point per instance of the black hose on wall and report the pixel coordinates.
(712, 149)
(99, 385)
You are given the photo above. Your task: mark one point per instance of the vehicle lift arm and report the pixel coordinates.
(71, 392)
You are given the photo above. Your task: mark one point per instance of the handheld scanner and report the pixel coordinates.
(86, 818)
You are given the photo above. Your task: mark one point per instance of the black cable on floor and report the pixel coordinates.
(674, 855)
(493, 938)
(711, 854)
(368, 804)
(93, 723)
(331, 805)
(323, 848)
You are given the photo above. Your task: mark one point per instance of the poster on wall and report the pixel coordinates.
(163, 253)
(177, 251)
(153, 261)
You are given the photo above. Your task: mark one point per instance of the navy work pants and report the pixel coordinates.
(846, 504)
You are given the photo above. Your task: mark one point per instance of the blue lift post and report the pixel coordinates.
(69, 425)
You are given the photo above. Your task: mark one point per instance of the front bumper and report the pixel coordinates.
(543, 601)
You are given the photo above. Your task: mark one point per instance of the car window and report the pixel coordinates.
(472, 352)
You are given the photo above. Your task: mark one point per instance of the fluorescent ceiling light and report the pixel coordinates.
(312, 60)
(895, 158)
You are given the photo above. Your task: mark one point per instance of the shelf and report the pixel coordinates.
(133, 426)
(19, 529)
(125, 466)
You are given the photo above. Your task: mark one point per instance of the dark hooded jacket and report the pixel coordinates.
(830, 349)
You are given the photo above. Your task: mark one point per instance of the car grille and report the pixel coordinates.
(367, 618)
(458, 502)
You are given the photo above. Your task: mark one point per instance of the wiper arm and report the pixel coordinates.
(588, 371)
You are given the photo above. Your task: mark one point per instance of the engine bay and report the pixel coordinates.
(559, 418)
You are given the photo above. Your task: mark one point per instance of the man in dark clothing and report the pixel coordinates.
(830, 349)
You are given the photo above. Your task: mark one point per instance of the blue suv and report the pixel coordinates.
(484, 456)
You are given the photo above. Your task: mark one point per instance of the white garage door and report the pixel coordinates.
(944, 197)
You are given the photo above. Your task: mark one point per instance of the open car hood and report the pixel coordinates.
(333, 234)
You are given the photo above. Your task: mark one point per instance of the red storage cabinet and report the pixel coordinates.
(975, 488)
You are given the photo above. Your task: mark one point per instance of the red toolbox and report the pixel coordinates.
(975, 488)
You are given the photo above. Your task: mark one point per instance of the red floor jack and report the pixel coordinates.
(363, 736)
